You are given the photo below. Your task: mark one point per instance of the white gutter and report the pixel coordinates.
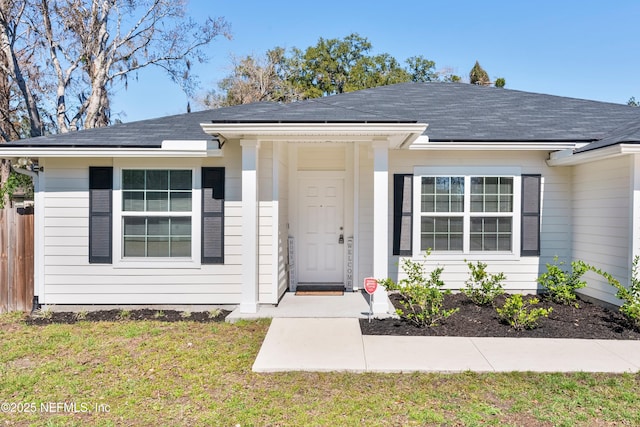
(398, 134)
(170, 149)
(569, 158)
(236, 130)
(38, 244)
(423, 143)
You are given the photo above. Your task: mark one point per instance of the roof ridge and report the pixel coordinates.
(351, 108)
(454, 112)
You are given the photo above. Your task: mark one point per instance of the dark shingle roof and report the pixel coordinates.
(628, 133)
(463, 112)
(145, 133)
(454, 112)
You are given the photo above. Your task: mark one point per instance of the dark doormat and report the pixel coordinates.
(320, 290)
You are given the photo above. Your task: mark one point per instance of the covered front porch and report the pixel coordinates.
(350, 305)
(315, 210)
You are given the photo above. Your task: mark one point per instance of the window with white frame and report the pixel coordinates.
(156, 213)
(466, 213)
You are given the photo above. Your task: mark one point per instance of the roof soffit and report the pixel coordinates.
(398, 134)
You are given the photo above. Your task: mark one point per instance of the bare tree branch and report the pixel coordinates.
(77, 49)
(10, 18)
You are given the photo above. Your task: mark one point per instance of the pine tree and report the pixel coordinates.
(478, 76)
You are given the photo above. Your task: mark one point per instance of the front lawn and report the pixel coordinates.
(188, 373)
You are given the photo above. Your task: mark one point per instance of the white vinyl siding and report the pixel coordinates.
(70, 279)
(272, 222)
(601, 221)
(521, 272)
(321, 157)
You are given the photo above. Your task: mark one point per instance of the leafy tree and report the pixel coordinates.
(379, 70)
(329, 67)
(325, 69)
(422, 69)
(632, 102)
(500, 82)
(478, 76)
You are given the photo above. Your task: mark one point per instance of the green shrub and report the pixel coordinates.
(389, 285)
(519, 313)
(630, 309)
(44, 313)
(80, 315)
(483, 288)
(562, 285)
(421, 294)
(212, 314)
(124, 314)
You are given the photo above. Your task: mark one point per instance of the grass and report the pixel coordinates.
(185, 373)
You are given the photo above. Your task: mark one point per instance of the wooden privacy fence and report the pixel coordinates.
(16, 259)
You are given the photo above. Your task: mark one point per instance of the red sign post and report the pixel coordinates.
(370, 285)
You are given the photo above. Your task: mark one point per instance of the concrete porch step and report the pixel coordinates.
(349, 305)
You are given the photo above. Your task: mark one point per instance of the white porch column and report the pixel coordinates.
(249, 297)
(380, 222)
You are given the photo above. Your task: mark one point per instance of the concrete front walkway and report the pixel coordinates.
(336, 344)
(351, 305)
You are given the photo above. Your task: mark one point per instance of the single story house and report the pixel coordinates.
(238, 205)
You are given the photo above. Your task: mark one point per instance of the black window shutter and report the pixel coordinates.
(402, 214)
(213, 215)
(100, 214)
(530, 224)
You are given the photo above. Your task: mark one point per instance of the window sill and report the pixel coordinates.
(471, 256)
(158, 263)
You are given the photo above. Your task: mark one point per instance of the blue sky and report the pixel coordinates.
(584, 49)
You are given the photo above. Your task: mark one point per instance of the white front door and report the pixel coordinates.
(321, 219)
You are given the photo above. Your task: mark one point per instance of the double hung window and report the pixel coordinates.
(467, 213)
(156, 213)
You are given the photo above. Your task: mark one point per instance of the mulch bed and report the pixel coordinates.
(119, 315)
(589, 321)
